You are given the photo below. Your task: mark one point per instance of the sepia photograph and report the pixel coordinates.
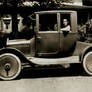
(45, 45)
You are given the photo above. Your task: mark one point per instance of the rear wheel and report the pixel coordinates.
(87, 63)
(10, 66)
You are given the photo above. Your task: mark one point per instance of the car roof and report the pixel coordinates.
(55, 11)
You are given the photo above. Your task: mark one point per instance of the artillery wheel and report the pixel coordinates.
(10, 66)
(87, 63)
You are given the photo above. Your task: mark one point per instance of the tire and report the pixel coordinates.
(87, 63)
(10, 66)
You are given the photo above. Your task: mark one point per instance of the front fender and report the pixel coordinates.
(13, 51)
(17, 53)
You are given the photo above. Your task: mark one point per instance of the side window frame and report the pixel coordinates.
(38, 22)
(74, 24)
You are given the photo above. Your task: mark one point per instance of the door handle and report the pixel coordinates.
(38, 37)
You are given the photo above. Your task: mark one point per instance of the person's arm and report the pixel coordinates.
(66, 28)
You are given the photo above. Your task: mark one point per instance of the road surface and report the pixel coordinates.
(56, 80)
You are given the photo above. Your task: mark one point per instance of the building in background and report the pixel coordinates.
(87, 2)
(6, 21)
(72, 2)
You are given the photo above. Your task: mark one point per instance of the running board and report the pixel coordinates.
(54, 61)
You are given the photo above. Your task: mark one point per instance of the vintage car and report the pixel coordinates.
(49, 46)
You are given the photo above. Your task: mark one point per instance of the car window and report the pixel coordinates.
(48, 22)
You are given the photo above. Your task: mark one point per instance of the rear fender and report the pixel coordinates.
(85, 51)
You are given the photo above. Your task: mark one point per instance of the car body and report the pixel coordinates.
(50, 46)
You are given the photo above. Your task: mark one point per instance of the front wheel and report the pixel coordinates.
(87, 63)
(10, 66)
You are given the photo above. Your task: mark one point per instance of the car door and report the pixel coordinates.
(68, 36)
(47, 37)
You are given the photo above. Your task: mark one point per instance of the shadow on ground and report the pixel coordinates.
(74, 70)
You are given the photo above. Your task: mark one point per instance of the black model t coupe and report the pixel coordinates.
(51, 45)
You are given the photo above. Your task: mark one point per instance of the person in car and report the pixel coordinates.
(66, 25)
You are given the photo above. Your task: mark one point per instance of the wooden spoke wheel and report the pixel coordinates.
(10, 66)
(87, 63)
